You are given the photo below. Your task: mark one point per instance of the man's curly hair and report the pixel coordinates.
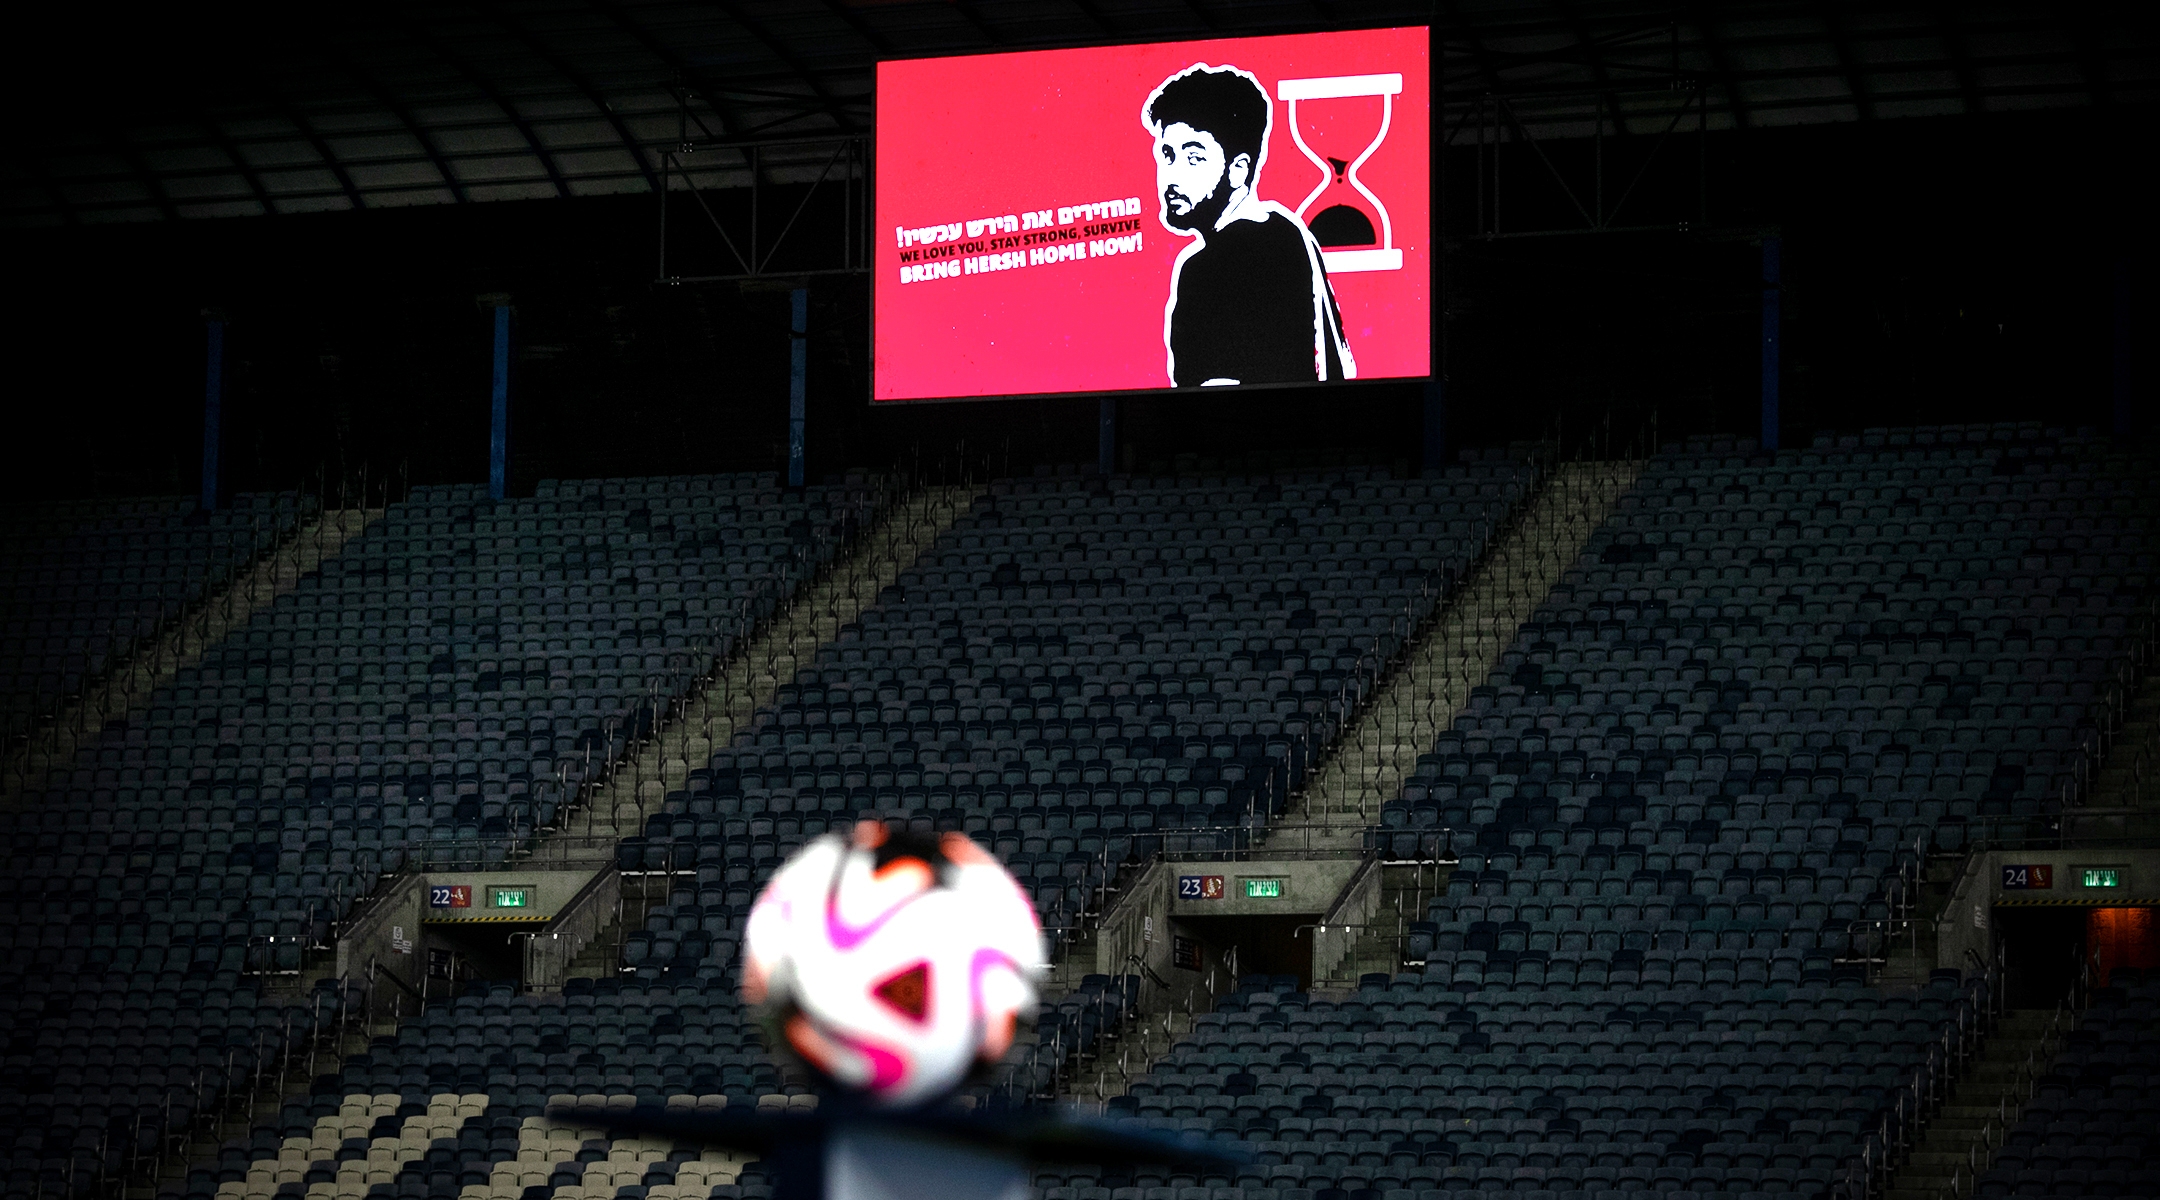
(1224, 101)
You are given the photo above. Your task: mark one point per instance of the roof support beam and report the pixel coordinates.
(1721, 68)
(967, 12)
(1597, 65)
(248, 174)
(2089, 44)
(861, 27)
(1478, 50)
(1848, 62)
(322, 148)
(584, 85)
(730, 123)
(795, 65)
(501, 103)
(1959, 49)
(143, 175)
(404, 116)
(1095, 15)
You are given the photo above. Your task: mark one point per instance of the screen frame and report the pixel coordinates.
(1435, 312)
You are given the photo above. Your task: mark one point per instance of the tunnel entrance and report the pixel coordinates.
(462, 956)
(1270, 945)
(2041, 951)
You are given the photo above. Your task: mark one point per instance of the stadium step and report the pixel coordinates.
(709, 718)
(2130, 777)
(1456, 653)
(1125, 1058)
(1959, 1143)
(728, 701)
(1405, 891)
(602, 957)
(130, 683)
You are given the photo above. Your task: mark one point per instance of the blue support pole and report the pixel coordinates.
(499, 414)
(213, 411)
(1773, 335)
(1106, 437)
(798, 395)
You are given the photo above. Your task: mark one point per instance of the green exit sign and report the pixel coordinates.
(1263, 889)
(510, 897)
(2100, 877)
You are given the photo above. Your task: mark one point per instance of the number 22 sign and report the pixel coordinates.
(455, 895)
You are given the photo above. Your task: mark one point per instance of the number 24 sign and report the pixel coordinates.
(2028, 877)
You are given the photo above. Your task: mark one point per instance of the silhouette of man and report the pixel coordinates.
(1249, 296)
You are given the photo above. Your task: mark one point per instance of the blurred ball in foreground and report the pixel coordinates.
(891, 963)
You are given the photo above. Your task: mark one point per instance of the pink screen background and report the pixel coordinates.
(990, 135)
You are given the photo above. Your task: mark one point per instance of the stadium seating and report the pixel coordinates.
(1118, 594)
(400, 705)
(2093, 1127)
(1699, 771)
(81, 582)
(1076, 670)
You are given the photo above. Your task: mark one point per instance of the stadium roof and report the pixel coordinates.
(202, 111)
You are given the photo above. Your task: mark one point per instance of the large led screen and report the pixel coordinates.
(1239, 212)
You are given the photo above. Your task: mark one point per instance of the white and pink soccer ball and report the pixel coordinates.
(891, 963)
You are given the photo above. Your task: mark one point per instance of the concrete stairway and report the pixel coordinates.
(1124, 1059)
(1454, 655)
(130, 684)
(757, 669)
(1961, 1141)
(2130, 778)
(1368, 766)
(1405, 890)
(602, 957)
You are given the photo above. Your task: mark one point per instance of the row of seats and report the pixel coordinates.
(1058, 690)
(422, 694)
(1075, 668)
(2089, 1130)
(1062, 715)
(1766, 688)
(82, 582)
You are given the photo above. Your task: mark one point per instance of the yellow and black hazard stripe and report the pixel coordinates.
(2077, 901)
(520, 919)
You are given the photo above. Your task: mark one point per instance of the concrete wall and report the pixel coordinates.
(1150, 917)
(549, 955)
(1309, 886)
(387, 934)
(393, 933)
(1345, 923)
(1136, 931)
(552, 890)
(1967, 918)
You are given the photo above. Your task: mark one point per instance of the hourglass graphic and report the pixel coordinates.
(1352, 225)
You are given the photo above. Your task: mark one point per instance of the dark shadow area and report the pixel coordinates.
(2042, 948)
(479, 954)
(1261, 945)
(1947, 269)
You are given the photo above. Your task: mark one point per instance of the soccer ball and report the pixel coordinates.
(892, 964)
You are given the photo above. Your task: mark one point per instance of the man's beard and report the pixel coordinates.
(1204, 212)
